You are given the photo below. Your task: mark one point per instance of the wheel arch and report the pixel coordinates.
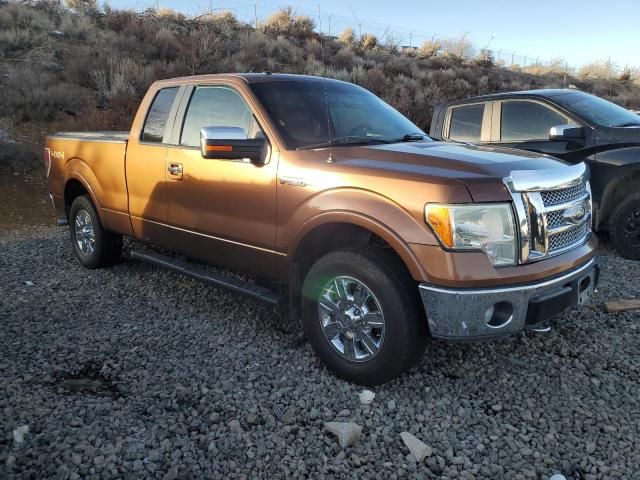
(332, 231)
(76, 186)
(329, 230)
(617, 188)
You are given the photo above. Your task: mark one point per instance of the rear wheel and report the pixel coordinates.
(92, 244)
(625, 227)
(361, 315)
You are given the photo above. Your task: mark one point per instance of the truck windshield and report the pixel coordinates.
(598, 110)
(310, 113)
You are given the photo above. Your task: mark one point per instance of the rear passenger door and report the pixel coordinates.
(525, 124)
(145, 164)
(468, 123)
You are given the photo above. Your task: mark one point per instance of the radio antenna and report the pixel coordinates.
(326, 93)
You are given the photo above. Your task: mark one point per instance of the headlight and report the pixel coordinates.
(489, 227)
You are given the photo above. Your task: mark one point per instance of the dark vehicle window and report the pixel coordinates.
(216, 107)
(528, 121)
(309, 113)
(466, 123)
(158, 114)
(598, 110)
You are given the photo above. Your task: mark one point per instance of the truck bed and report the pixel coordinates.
(96, 159)
(92, 136)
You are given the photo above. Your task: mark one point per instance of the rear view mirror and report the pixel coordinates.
(565, 133)
(230, 143)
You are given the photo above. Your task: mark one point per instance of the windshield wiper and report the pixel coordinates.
(628, 124)
(344, 141)
(409, 137)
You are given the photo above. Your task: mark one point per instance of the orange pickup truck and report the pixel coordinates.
(372, 234)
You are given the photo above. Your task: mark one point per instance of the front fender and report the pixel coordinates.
(373, 212)
(613, 174)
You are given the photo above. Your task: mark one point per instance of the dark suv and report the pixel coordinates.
(570, 125)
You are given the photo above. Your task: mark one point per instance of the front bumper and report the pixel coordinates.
(473, 314)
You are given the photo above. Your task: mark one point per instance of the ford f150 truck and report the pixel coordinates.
(570, 125)
(379, 235)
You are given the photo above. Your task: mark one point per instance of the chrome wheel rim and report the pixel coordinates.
(351, 318)
(632, 227)
(85, 235)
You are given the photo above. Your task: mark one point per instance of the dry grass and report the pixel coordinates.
(85, 68)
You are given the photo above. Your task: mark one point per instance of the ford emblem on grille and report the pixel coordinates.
(575, 213)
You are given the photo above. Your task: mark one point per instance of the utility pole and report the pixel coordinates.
(357, 21)
(255, 13)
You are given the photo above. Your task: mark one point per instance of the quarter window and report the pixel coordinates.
(522, 121)
(158, 115)
(466, 123)
(216, 107)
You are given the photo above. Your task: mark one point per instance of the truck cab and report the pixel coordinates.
(570, 125)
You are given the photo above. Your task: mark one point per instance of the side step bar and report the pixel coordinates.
(217, 280)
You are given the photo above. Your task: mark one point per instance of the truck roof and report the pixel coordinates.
(543, 92)
(247, 77)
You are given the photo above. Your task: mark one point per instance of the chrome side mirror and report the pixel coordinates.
(565, 133)
(230, 143)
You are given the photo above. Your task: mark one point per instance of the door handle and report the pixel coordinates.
(175, 170)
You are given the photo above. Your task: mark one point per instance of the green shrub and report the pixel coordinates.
(17, 157)
(31, 95)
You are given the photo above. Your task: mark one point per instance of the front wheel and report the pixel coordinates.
(362, 316)
(625, 227)
(92, 244)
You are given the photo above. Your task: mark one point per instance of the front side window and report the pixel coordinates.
(466, 123)
(311, 113)
(523, 120)
(156, 121)
(216, 107)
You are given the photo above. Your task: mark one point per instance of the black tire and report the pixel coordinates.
(405, 325)
(624, 227)
(107, 246)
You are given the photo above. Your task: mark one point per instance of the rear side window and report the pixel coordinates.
(522, 120)
(466, 123)
(158, 115)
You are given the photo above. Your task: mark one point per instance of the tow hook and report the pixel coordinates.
(542, 328)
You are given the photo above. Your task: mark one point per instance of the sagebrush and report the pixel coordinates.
(82, 68)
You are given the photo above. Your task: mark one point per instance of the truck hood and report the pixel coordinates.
(618, 135)
(480, 168)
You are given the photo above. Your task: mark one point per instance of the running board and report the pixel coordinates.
(217, 280)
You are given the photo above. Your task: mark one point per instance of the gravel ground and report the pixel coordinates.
(135, 372)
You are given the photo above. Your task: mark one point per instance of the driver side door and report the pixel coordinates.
(223, 210)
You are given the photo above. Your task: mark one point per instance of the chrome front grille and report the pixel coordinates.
(555, 197)
(555, 218)
(553, 210)
(565, 238)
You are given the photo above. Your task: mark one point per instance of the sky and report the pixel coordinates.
(578, 31)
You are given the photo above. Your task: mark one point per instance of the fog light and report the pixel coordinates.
(499, 315)
(488, 314)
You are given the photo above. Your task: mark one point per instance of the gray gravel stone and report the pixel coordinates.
(148, 369)
(366, 397)
(348, 433)
(419, 450)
